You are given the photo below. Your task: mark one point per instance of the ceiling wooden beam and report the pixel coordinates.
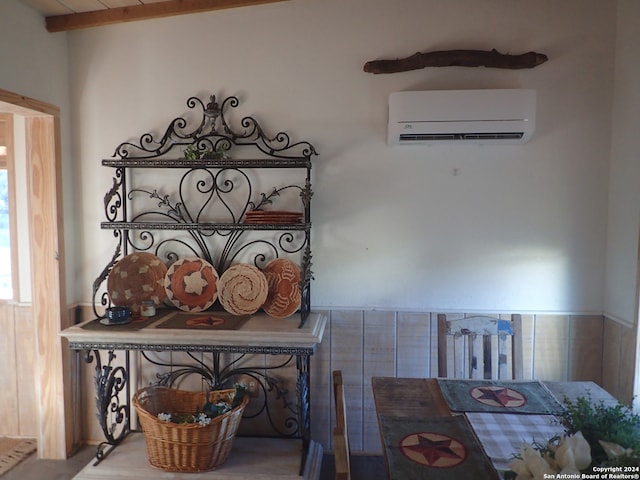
(60, 23)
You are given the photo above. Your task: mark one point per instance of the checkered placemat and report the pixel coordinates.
(502, 434)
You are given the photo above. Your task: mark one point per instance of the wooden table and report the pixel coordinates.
(422, 398)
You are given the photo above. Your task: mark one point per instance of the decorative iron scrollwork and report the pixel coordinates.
(214, 132)
(111, 381)
(267, 388)
(211, 181)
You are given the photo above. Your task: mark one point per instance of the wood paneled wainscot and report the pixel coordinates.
(364, 344)
(17, 357)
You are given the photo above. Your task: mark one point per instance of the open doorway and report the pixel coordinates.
(48, 311)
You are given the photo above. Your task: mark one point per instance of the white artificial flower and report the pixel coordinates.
(202, 419)
(521, 470)
(613, 450)
(536, 465)
(574, 452)
(165, 417)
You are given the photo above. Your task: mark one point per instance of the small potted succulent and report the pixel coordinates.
(192, 152)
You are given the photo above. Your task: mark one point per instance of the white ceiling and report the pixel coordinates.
(67, 7)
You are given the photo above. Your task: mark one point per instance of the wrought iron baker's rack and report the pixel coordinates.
(213, 175)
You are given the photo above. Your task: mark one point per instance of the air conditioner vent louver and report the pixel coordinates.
(427, 137)
(462, 117)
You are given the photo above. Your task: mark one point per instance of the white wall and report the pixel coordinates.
(34, 63)
(517, 229)
(624, 194)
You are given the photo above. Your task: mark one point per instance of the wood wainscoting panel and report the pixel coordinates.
(25, 328)
(18, 359)
(416, 344)
(551, 347)
(585, 348)
(9, 392)
(379, 358)
(611, 338)
(528, 326)
(627, 364)
(347, 355)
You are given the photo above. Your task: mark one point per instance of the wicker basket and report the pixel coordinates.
(186, 447)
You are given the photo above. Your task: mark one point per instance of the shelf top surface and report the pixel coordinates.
(257, 331)
(297, 162)
(151, 225)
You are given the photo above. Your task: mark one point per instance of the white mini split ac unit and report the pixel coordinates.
(461, 117)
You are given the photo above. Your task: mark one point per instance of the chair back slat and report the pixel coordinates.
(489, 344)
(480, 347)
(478, 357)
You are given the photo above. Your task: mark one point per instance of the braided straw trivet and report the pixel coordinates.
(242, 289)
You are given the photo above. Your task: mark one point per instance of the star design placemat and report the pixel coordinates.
(435, 448)
(498, 396)
(209, 320)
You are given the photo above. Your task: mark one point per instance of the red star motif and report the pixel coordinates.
(433, 449)
(498, 396)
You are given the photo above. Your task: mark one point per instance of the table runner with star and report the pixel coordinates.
(437, 448)
(498, 396)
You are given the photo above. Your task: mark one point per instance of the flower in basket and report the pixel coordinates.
(208, 411)
(597, 435)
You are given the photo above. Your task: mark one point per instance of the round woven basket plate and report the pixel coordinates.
(243, 289)
(191, 284)
(283, 277)
(135, 278)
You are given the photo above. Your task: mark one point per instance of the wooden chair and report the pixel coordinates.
(340, 436)
(480, 347)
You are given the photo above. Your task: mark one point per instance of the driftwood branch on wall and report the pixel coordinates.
(456, 58)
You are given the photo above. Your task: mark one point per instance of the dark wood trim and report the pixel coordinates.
(60, 23)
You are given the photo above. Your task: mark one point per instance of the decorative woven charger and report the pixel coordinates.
(191, 284)
(283, 277)
(137, 277)
(243, 289)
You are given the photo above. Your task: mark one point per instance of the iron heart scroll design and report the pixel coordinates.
(209, 177)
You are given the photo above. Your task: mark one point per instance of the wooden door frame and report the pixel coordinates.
(46, 245)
